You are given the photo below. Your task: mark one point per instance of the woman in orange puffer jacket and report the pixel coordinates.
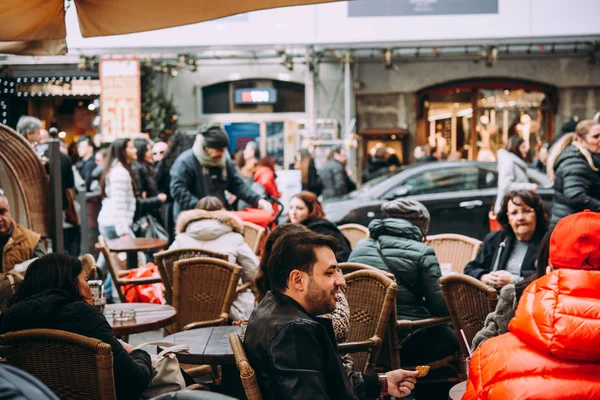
(553, 348)
(265, 175)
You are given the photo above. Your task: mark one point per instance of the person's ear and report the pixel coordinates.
(296, 280)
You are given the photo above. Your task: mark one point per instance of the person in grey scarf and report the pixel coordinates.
(204, 170)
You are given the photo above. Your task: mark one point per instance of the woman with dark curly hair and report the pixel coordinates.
(508, 255)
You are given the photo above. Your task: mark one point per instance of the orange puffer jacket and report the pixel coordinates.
(553, 348)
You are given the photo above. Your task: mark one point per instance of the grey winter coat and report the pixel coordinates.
(496, 323)
(413, 262)
(189, 184)
(576, 185)
(335, 180)
(512, 175)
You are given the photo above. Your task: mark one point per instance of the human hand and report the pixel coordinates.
(534, 186)
(486, 279)
(500, 278)
(128, 348)
(162, 197)
(265, 205)
(401, 382)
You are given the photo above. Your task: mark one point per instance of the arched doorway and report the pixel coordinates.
(474, 116)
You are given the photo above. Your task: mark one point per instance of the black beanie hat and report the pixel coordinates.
(215, 138)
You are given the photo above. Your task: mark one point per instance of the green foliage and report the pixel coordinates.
(159, 116)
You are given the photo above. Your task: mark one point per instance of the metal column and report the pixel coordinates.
(347, 97)
(309, 98)
(56, 206)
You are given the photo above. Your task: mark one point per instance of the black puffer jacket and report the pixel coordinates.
(414, 264)
(55, 309)
(145, 182)
(327, 227)
(576, 185)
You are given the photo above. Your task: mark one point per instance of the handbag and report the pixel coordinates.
(166, 373)
(149, 227)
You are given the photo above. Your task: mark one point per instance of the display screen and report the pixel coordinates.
(255, 96)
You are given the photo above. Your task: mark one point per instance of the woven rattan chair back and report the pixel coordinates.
(24, 181)
(253, 235)
(203, 289)
(349, 267)
(354, 233)
(71, 365)
(246, 371)
(371, 296)
(455, 249)
(469, 302)
(166, 259)
(112, 266)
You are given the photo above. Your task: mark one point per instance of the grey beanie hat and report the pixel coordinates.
(215, 138)
(409, 210)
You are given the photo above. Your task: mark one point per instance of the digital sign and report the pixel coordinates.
(255, 96)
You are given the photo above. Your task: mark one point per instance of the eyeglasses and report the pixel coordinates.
(1, 192)
(524, 212)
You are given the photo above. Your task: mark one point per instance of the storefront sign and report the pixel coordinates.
(391, 8)
(120, 101)
(255, 96)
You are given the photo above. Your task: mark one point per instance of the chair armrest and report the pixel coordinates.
(139, 281)
(408, 326)
(203, 324)
(355, 347)
(244, 287)
(123, 273)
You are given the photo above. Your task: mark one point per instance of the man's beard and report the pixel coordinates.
(319, 299)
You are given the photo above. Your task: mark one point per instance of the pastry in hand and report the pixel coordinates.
(422, 370)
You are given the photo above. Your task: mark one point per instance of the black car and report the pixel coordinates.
(458, 195)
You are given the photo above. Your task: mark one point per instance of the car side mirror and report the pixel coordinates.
(400, 191)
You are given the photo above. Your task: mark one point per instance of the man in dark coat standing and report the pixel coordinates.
(204, 170)
(336, 182)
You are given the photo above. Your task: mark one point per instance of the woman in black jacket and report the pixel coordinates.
(508, 256)
(305, 209)
(149, 199)
(574, 164)
(310, 177)
(55, 295)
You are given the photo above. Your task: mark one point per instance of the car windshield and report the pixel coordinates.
(365, 187)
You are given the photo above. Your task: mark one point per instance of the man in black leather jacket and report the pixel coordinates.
(291, 349)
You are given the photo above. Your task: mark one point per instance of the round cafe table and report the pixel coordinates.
(132, 245)
(148, 317)
(457, 391)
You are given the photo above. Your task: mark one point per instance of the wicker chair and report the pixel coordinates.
(203, 291)
(455, 249)
(371, 296)
(349, 267)
(117, 274)
(71, 365)
(253, 236)
(246, 372)
(469, 302)
(25, 182)
(354, 233)
(165, 260)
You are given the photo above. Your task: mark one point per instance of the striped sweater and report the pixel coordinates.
(118, 207)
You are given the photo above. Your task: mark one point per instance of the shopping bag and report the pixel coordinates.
(150, 293)
(166, 374)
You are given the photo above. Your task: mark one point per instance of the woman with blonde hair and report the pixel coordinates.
(574, 163)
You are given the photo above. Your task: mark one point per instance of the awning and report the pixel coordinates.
(38, 26)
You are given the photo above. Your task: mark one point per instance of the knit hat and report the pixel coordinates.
(409, 210)
(215, 138)
(574, 242)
